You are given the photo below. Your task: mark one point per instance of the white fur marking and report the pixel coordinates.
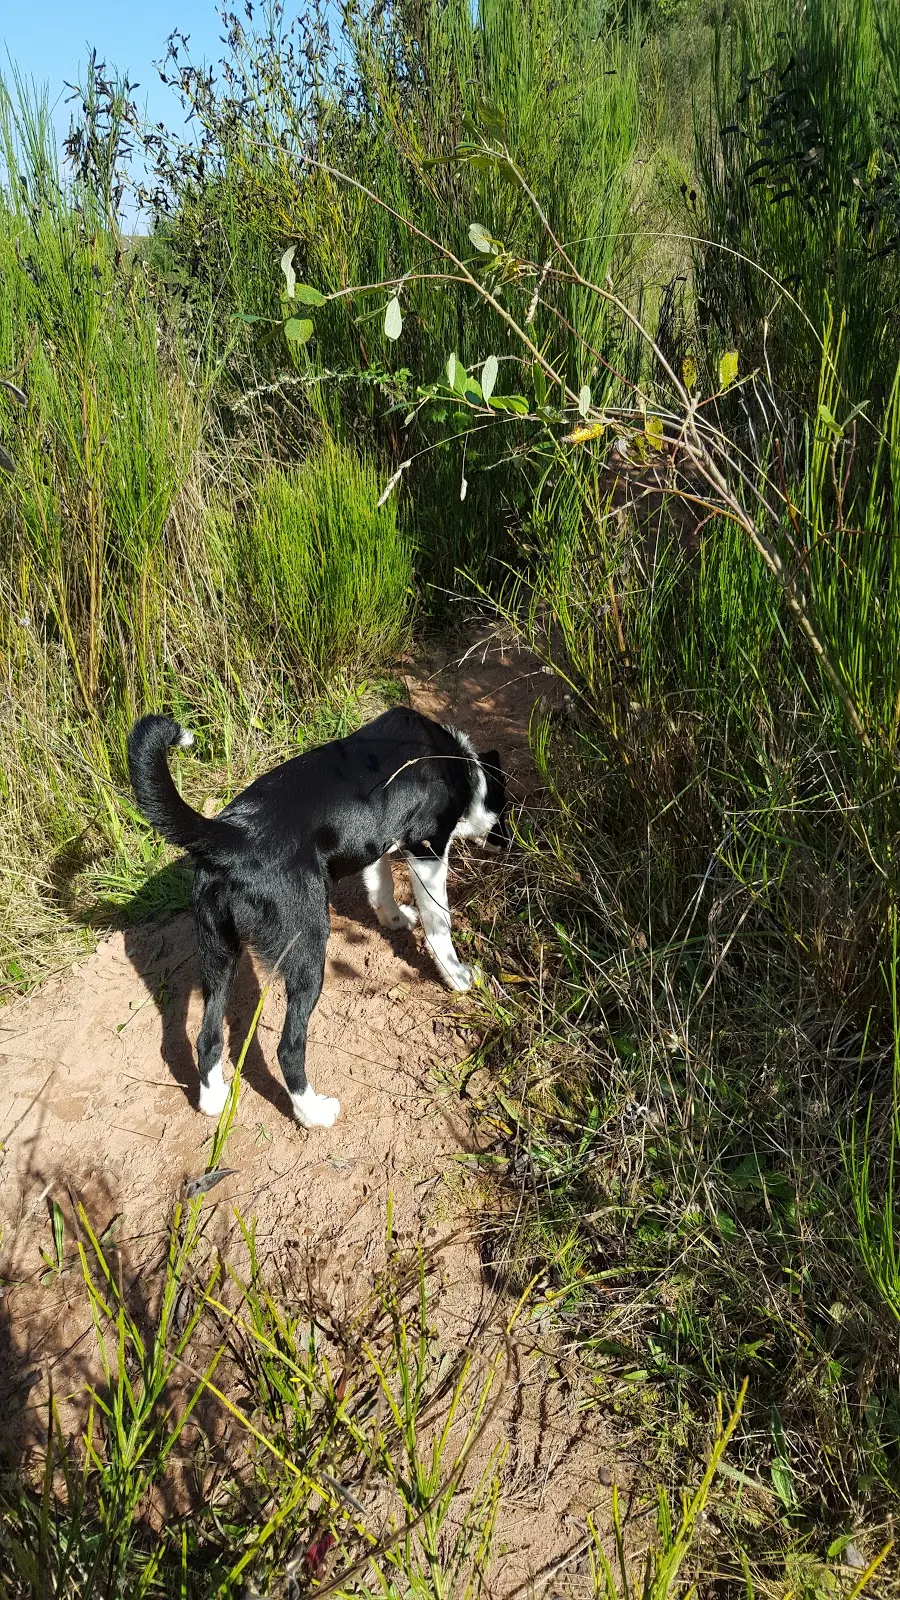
(429, 881)
(185, 739)
(477, 821)
(379, 883)
(315, 1110)
(214, 1092)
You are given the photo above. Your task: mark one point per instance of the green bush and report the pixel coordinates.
(326, 565)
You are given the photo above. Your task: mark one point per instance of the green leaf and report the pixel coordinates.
(728, 368)
(540, 384)
(307, 295)
(486, 161)
(248, 316)
(625, 1046)
(460, 377)
(451, 369)
(510, 402)
(481, 239)
(689, 372)
(298, 329)
(829, 419)
(783, 1482)
(489, 376)
(393, 319)
(490, 117)
(584, 399)
(59, 1231)
(287, 267)
(654, 431)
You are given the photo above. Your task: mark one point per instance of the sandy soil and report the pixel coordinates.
(97, 1093)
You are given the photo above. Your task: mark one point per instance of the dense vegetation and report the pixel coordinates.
(608, 303)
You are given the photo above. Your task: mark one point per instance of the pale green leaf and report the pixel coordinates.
(393, 319)
(307, 295)
(584, 399)
(489, 376)
(287, 267)
(481, 239)
(298, 329)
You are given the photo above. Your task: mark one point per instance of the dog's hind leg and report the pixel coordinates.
(379, 885)
(218, 949)
(302, 963)
(429, 881)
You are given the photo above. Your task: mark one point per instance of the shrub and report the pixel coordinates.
(328, 566)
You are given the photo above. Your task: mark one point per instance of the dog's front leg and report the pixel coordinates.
(379, 884)
(429, 881)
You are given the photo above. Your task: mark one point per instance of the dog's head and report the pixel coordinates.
(496, 801)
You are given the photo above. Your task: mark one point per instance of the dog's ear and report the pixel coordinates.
(490, 758)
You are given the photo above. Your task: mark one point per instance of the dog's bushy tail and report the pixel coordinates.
(154, 787)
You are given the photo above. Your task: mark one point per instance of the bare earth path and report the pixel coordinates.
(97, 1094)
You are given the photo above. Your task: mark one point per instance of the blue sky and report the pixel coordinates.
(48, 40)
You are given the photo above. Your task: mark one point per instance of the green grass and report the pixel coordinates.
(345, 1461)
(325, 568)
(385, 107)
(797, 161)
(334, 1463)
(148, 558)
(695, 1075)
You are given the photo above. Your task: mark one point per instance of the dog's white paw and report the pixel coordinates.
(460, 977)
(214, 1093)
(397, 916)
(315, 1110)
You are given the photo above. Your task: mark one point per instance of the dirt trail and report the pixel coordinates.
(97, 1093)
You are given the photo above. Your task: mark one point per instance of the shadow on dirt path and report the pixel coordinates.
(98, 1087)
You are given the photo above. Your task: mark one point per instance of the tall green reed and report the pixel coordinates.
(798, 168)
(110, 427)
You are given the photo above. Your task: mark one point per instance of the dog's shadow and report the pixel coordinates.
(163, 952)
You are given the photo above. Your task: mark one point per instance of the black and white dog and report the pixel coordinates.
(264, 865)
